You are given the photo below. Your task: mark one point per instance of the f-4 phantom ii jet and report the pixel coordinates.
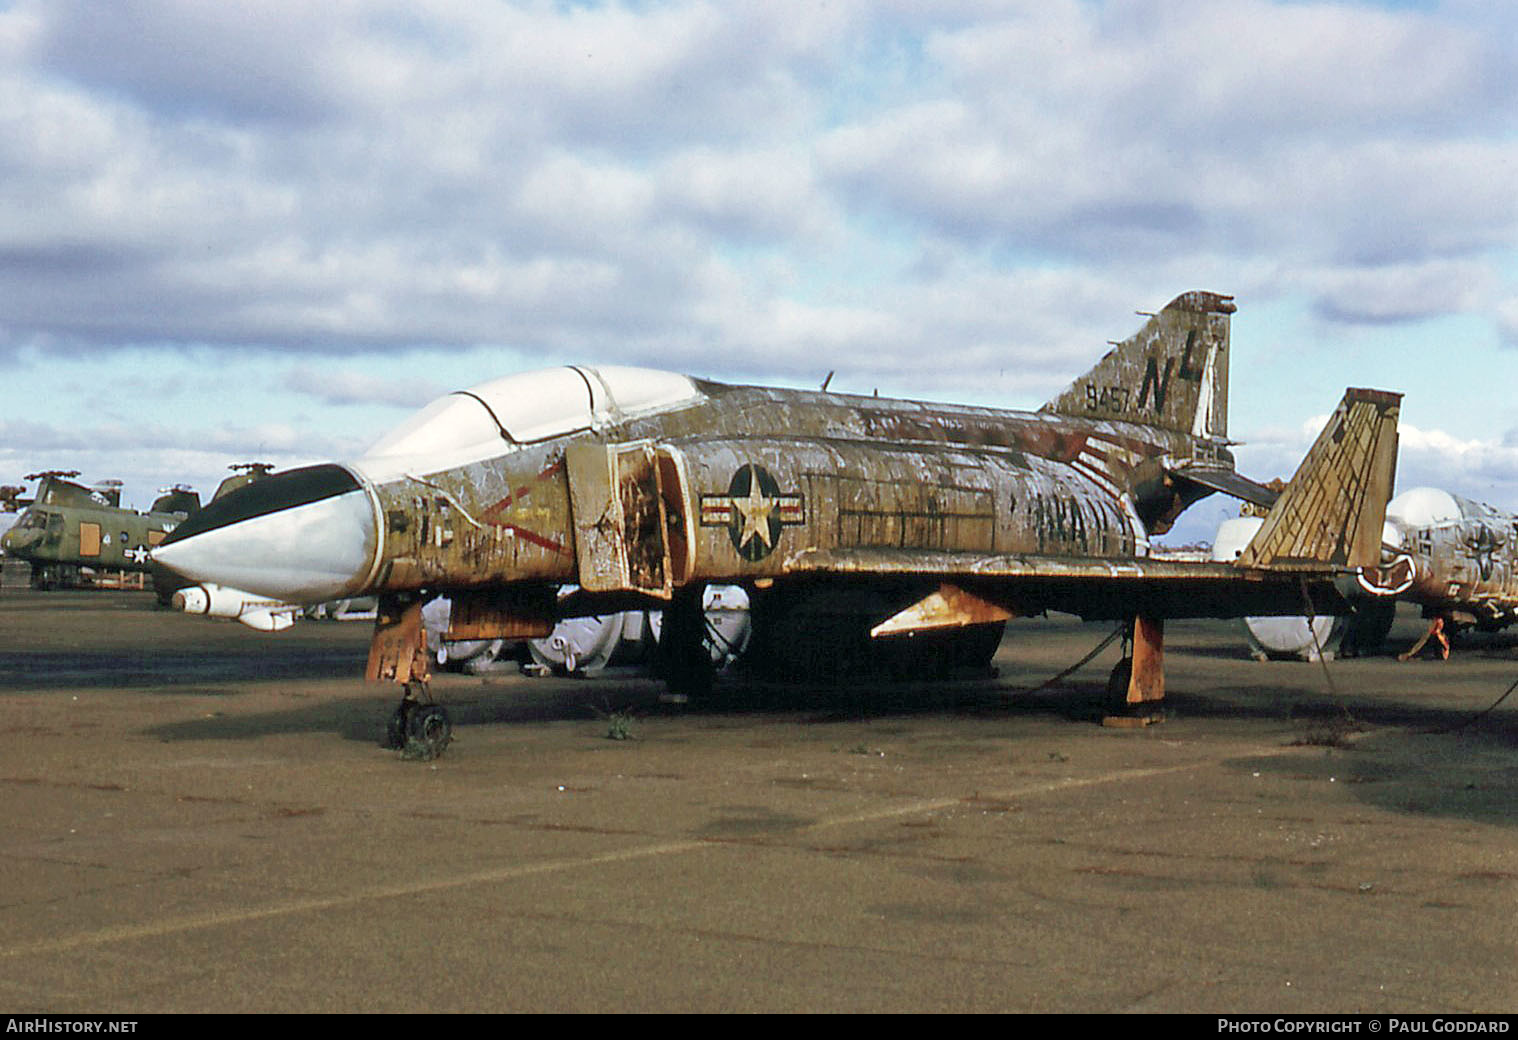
(1455, 558)
(858, 525)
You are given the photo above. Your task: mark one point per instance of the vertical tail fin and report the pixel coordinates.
(1334, 507)
(1172, 373)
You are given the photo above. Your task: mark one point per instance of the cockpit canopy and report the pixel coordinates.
(469, 425)
(1432, 507)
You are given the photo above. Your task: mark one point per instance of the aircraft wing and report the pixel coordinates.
(1319, 535)
(1025, 584)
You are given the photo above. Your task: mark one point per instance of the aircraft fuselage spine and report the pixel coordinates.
(766, 473)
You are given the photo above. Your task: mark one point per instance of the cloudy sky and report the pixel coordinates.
(271, 229)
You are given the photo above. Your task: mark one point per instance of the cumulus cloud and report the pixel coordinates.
(1094, 129)
(1507, 320)
(1438, 458)
(366, 175)
(149, 456)
(1402, 292)
(965, 198)
(1482, 468)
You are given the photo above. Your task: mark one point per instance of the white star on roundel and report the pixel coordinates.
(756, 510)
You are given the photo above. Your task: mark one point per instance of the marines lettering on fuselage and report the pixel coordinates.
(1069, 523)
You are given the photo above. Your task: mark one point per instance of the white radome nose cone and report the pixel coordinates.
(303, 554)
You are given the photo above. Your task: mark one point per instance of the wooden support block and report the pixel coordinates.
(1132, 721)
(1147, 681)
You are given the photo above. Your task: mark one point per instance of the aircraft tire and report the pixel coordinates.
(429, 731)
(692, 681)
(1117, 688)
(395, 728)
(687, 661)
(1367, 628)
(974, 646)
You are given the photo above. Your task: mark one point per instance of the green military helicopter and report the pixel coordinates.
(68, 527)
(243, 473)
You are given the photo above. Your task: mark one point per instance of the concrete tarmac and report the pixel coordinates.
(200, 818)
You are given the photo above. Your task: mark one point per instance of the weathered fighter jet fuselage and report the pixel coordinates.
(727, 487)
(634, 480)
(1454, 557)
(644, 486)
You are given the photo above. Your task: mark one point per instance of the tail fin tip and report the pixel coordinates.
(1201, 301)
(1172, 373)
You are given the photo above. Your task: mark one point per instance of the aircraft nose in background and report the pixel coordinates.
(17, 540)
(302, 536)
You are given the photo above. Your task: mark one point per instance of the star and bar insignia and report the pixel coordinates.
(754, 510)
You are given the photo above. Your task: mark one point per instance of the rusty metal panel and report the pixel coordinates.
(891, 512)
(643, 521)
(619, 518)
(398, 651)
(679, 515)
(477, 525)
(502, 613)
(597, 516)
(762, 497)
(949, 606)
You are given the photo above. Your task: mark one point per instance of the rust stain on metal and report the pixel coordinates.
(501, 613)
(947, 607)
(398, 652)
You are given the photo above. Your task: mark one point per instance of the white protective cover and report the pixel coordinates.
(1274, 636)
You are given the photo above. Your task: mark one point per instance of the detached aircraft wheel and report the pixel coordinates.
(428, 732)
